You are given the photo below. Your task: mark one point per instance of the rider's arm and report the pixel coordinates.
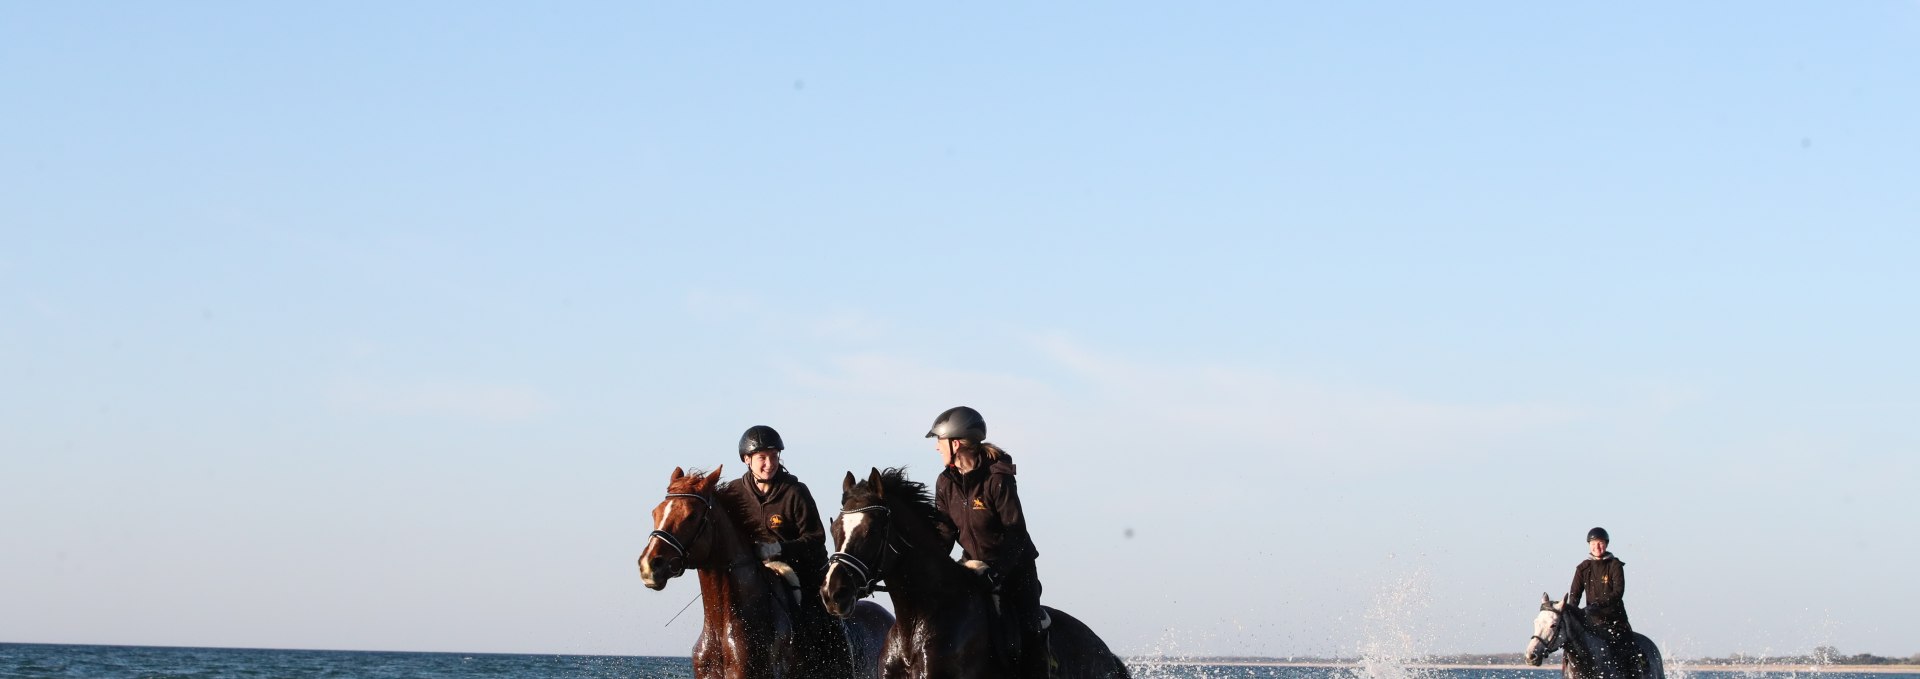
(1579, 584)
(945, 522)
(806, 515)
(1016, 545)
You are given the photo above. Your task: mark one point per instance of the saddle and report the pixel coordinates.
(788, 576)
(1007, 629)
(980, 568)
(1628, 657)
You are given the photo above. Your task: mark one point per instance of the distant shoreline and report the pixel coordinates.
(1241, 661)
(1553, 667)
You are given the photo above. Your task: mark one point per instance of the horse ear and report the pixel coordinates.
(1545, 599)
(678, 474)
(715, 476)
(873, 479)
(847, 485)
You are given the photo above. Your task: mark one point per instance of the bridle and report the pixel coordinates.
(678, 562)
(1548, 646)
(870, 576)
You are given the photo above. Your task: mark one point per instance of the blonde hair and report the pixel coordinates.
(992, 452)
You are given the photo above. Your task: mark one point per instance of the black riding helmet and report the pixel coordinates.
(759, 437)
(1598, 533)
(959, 423)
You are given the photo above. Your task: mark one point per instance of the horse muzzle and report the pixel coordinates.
(839, 604)
(839, 593)
(654, 573)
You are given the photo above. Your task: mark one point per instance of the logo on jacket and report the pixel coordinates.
(775, 522)
(977, 504)
(1606, 578)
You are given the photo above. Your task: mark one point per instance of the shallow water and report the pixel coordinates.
(144, 662)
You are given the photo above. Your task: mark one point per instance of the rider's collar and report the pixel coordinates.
(780, 477)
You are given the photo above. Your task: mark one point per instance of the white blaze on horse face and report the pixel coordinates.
(848, 523)
(649, 550)
(662, 515)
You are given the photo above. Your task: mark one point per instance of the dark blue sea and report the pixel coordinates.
(147, 662)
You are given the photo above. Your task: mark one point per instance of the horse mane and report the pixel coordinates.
(689, 483)
(894, 484)
(731, 505)
(732, 502)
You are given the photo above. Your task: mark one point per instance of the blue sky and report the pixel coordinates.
(359, 326)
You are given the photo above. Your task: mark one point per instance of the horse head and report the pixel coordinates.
(863, 534)
(682, 524)
(1547, 630)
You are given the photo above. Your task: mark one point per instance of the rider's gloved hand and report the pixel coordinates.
(985, 570)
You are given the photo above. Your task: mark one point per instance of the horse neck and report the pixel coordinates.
(1581, 642)
(724, 546)
(923, 575)
(730, 579)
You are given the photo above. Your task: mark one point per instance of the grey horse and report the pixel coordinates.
(1590, 653)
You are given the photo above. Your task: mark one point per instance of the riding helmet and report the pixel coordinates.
(959, 423)
(759, 437)
(1598, 533)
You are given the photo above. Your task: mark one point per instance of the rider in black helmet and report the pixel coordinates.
(1602, 579)
(788, 536)
(977, 493)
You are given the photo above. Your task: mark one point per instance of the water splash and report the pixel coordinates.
(1673, 657)
(1171, 657)
(1395, 637)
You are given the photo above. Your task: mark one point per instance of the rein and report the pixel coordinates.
(1548, 646)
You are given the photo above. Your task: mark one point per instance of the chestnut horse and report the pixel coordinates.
(949, 626)
(749, 625)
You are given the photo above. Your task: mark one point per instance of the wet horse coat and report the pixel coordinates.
(1590, 653)
(947, 625)
(747, 630)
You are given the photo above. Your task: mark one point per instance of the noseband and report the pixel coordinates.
(674, 542)
(869, 576)
(1548, 644)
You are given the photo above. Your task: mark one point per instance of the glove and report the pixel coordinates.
(983, 569)
(768, 550)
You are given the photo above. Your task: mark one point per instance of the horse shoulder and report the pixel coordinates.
(893, 656)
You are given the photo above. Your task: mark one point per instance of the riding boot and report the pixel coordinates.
(1036, 657)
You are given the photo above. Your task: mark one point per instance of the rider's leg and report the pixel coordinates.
(1021, 593)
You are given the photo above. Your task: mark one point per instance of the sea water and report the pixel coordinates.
(146, 662)
(143, 662)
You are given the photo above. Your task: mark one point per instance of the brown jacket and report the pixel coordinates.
(785, 514)
(1603, 582)
(983, 511)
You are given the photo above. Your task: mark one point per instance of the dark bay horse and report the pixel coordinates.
(948, 625)
(748, 630)
(1590, 653)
